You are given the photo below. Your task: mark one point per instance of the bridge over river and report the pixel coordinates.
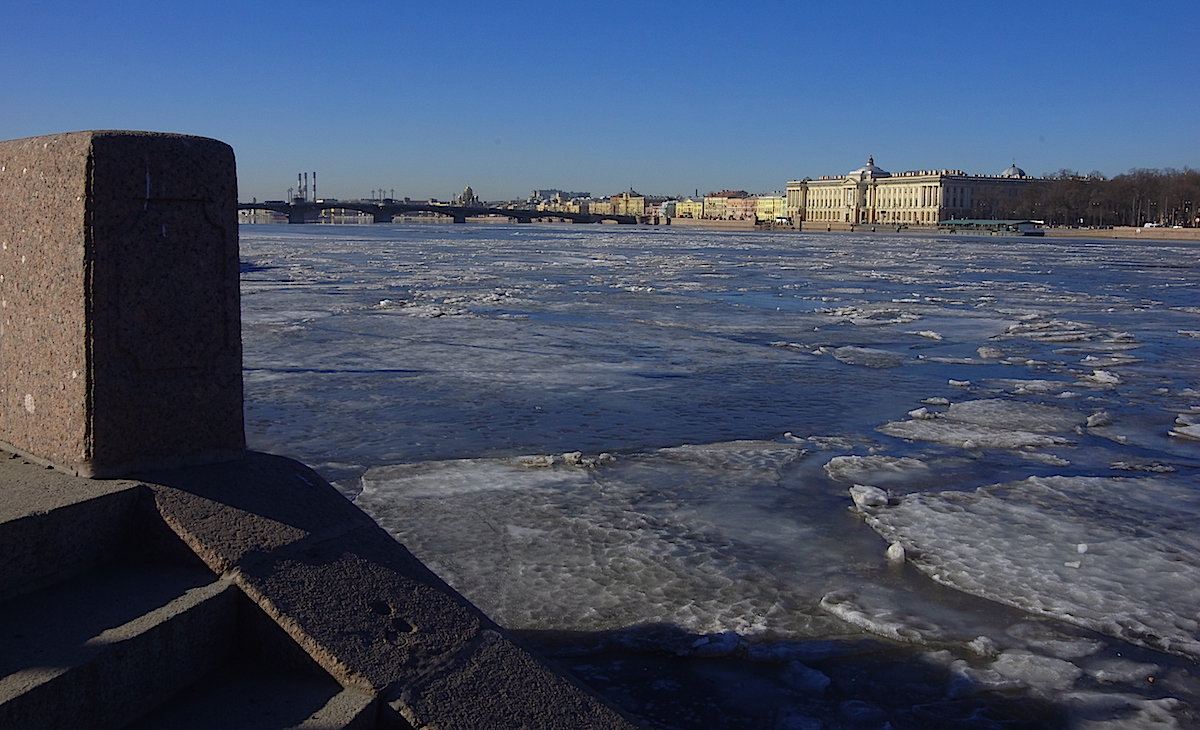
(302, 211)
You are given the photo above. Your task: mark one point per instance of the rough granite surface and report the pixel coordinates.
(120, 341)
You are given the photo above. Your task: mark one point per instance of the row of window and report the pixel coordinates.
(910, 197)
(927, 217)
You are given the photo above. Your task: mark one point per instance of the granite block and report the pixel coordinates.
(120, 344)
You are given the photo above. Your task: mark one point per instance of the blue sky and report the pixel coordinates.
(666, 97)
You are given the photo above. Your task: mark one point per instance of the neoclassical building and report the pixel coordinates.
(870, 194)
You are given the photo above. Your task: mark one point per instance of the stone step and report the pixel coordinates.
(107, 620)
(249, 695)
(52, 528)
(99, 649)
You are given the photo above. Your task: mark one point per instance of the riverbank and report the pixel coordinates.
(1128, 232)
(1116, 232)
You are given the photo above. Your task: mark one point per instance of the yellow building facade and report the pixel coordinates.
(628, 203)
(557, 205)
(769, 207)
(714, 206)
(728, 205)
(600, 207)
(689, 208)
(870, 194)
(735, 205)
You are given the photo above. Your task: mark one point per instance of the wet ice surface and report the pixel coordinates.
(1066, 547)
(785, 480)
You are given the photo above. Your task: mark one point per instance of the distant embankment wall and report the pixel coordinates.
(1153, 233)
(1140, 232)
(747, 225)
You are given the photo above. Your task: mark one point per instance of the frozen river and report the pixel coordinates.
(784, 480)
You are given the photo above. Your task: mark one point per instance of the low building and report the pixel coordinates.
(629, 202)
(689, 208)
(718, 206)
(541, 194)
(259, 215)
(770, 207)
(559, 204)
(741, 208)
(600, 207)
(870, 194)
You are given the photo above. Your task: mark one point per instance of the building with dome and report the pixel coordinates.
(872, 195)
(1013, 171)
(468, 198)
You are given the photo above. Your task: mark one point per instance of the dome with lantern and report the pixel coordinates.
(869, 170)
(1013, 171)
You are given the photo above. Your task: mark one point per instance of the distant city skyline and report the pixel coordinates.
(298, 189)
(667, 98)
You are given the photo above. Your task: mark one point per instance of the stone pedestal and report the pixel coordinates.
(120, 333)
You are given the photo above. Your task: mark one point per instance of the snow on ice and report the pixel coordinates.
(768, 448)
(1092, 551)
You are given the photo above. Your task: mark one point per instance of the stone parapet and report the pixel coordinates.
(137, 601)
(254, 560)
(360, 604)
(120, 343)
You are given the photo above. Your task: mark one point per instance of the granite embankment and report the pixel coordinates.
(197, 585)
(246, 593)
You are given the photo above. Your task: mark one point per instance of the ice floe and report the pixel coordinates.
(1102, 378)
(883, 618)
(989, 424)
(1042, 328)
(866, 496)
(1017, 386)
(867, 357)
(868, 316)
(1187, 425)
(878, 470)
(603, 543)
(1017, 543)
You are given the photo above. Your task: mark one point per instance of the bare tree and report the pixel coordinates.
(1138, 197)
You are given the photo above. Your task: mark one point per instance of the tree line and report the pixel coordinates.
(1165, 197)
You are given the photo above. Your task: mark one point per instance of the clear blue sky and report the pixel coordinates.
(667, 97)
